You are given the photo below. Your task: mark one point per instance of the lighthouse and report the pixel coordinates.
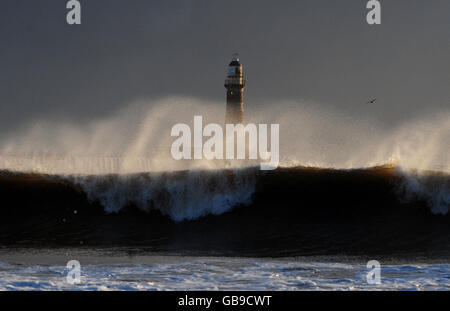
(235, 85)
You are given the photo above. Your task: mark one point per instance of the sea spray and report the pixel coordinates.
(431, 187)
(137, 139)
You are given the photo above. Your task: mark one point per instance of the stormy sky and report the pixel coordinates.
(303, 50)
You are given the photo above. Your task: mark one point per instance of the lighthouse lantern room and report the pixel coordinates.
(235, 85)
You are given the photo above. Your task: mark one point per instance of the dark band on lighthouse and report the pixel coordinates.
(235, 85)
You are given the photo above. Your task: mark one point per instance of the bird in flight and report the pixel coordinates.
(372, 101)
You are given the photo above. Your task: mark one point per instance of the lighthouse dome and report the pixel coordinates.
(235, 60)
(235, 67)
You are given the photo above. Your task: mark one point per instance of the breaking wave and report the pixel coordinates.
(188, 195)
(285, 212)
(113, 182)
(183, 195)
(434, 188)
(191, 194)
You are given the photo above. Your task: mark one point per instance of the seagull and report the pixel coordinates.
(372, 101)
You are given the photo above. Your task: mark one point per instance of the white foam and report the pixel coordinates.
(182, 196)
(226, 274)
(434, 188)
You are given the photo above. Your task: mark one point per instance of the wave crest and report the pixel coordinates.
(434, 188)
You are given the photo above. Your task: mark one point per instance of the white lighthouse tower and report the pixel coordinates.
(235, 85)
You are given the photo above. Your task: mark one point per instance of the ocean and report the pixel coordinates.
(295, 228)
(126, 270)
